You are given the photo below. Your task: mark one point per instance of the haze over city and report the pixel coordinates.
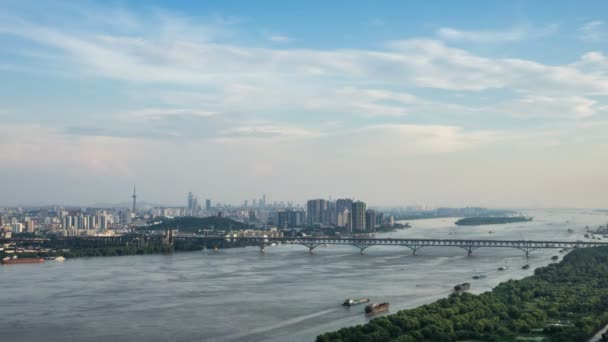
(406, 103)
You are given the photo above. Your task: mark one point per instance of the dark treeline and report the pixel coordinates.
(134, 245)
(561, 302)
(190, 224)
(477, 221)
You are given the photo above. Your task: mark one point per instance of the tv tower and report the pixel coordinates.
(134, 199)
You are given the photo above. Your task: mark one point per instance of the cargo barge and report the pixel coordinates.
(9, 261)
(375, 308)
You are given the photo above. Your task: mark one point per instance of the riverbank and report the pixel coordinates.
(560, 302)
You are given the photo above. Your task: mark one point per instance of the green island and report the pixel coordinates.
(560, 302)
(483, 220)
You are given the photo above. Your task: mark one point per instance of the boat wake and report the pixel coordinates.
(280, 324)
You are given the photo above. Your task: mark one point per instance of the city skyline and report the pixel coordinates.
(399, 104)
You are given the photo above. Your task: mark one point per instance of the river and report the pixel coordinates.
(240, 294)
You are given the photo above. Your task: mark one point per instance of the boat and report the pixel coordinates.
(351, 302)
(376, 308)
(503, 268)
(215, 249)
(586, 235)
(9, 261)
(479, 276)
(60, 258)
(525, 267)
(461, 288)
(555, 257)
(570, 230)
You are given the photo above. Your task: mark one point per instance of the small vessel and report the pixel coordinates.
(586, 235)
(60, 258)
(503, 268)
(461, 288)
(525, 267)
(555, 257)
(376, 308)
(12, 261)
(570, 230)
(351, 302)
(215, 249)
(479, 276)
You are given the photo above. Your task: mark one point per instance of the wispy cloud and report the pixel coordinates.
(510, 34)
(279, 39)
(592, 31)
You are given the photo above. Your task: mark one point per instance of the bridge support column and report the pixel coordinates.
(414, 248)
(469, 249)
(526, 250)
(362, 248)
(311, 247)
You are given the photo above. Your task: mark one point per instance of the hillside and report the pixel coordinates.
(191, 224)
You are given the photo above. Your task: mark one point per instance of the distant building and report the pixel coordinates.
(343, 218)
(370, 219)
(30, 226)
(208, 205)
(379, 219)
(316, 211)
(358, 216)
(290, 218)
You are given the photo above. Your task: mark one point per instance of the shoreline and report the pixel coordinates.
(546, 304)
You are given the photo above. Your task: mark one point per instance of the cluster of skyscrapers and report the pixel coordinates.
(344, 213)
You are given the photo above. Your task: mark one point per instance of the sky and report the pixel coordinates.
(442, 103)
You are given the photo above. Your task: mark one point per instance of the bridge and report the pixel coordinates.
(415, 245)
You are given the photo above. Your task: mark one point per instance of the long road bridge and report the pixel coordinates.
(415, 245)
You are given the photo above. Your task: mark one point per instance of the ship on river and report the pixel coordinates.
(376, 308)
(351, 302)
(14, 261)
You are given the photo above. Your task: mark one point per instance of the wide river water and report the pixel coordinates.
(240, 294)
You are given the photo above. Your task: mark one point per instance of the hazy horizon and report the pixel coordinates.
(410, 102)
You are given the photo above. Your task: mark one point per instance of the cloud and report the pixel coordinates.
(592, 31)
(159, 113)
(279, 39)
(511, 34)
(265, 132)
(422, 139)
(530, 106)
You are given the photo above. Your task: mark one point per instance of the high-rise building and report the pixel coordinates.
(30, 226)
(134, 200)
(290, 218)
(316, 211)
(379, 219)
(358, 216)
(343, 218)
(190, 203)
(370, 219)
(208, 204)
(344, 203)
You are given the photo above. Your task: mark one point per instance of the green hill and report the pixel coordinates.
(189, 224)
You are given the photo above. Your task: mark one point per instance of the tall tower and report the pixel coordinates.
(134, 199)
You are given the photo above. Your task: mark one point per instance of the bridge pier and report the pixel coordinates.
(311, 247)
(362, 248)
(414, 248)
(526, 250)
(469, 249)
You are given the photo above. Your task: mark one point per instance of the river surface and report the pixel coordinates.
(241, 295)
